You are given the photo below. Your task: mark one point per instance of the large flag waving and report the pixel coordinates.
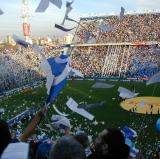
(154, 79)
(56, 69)
(60, 70)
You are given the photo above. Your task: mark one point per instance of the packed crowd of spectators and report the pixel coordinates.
(119, 61)
(20, 66)
(145, 62)
(138, 27)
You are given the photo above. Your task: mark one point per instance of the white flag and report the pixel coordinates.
(126, 93)
(74, 107)
(154, 79)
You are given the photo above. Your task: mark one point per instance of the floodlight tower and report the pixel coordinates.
(25, 17)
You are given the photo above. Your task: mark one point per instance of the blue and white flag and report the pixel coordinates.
(59, 124)
(133, 151)
(129, 132)
(154, 79)
(1, 12)
(43, 138)
(60, 70)
(44, 4)
(57, 69)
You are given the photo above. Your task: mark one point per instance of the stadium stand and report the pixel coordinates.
(130, 47)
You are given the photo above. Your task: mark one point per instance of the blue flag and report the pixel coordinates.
(60, 70)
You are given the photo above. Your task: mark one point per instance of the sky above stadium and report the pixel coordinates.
(42, 24)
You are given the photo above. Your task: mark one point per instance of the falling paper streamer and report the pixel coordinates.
(1, 12)
(62, 114)
(126, 93)
(44, 4)
(102, 85)
(91, 106)
(74, 107)
(68, 10)
(75, 73)
(57, 3)
(154, 79)
(122, 12)
(63, 28)
(20, 41)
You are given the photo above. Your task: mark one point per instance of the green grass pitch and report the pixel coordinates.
(109, 115)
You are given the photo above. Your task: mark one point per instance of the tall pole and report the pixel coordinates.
(25, 17)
